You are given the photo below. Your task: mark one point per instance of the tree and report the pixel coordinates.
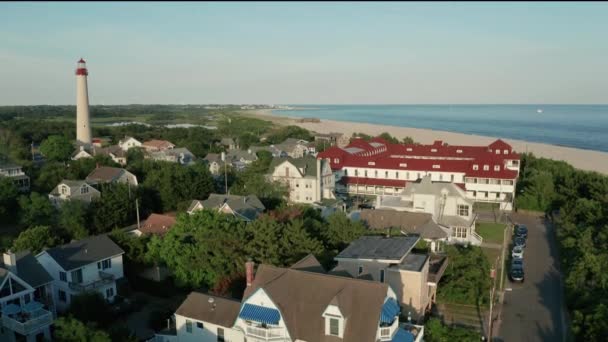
(8, 199)
(435, 331)
(36, 210)
(340, 231)
(114, 209)
(73, 218)
(34, 239)
(467, 278)
(68, 329)
(408, 141)
(386, 136)
(57, 148)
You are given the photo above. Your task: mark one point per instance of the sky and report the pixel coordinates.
(306, 52)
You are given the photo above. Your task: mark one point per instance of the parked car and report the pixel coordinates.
(520, 241)
(517, 263)
(517, 274)
(518, 252)
(521, 231)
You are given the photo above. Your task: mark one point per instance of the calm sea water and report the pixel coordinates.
(579, 126)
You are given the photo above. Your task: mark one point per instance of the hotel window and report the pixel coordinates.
(507, 182)
(189, 326)
(382, 276)
(407, 175)
(365, 173)
(486, 167)
(385, 174)
(356, 172)
(84, 190)
(485, 194)
(409, 149)
(434, 150)
(336, 160)
(397, 175)
(376, 174)
(418, 175)
(345, 172)
(506, 151)
(220, 335)
(451, 178)
(496, 167)
(199, 325)
(458, 151)
(334, 326)
(475, 167)
(497, 151)
(360, 270)
(463, 210)
(441, 176)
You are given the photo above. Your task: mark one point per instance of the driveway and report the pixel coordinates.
(534, 310)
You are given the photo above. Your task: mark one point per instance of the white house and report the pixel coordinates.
(128, 143)
(26, 299)
(446, 202)
(301, 303)
(246, 208)
(14, 172)
(91, 264)
(309, 180)
(73, 190)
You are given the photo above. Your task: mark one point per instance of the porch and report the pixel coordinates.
(104, 279)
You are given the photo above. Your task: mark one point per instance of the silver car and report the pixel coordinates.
(518, 252)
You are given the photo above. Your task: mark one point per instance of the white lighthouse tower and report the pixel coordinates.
(83, 124)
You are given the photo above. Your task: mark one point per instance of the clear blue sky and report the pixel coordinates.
(309, 52)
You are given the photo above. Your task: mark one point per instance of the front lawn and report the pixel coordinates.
(491, 232)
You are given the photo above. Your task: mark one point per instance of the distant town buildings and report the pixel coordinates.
(128, 142)
(246, 208)
(308, 179)
(73, 190)
(16, 174)
(106, 174)
(376, 167)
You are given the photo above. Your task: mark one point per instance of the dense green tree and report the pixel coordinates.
(408, 140)
(73, 219)
(114, 209)
(289, 132)
(68, 329)
(340, 231)
(8, 199)
(91, 307)
(135, 247)
(57, 148)
(467, 278)
(386, 136)
(435, 331)
(34, 239)
(36, 210)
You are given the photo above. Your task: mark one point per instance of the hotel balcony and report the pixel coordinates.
(26, 324)
(104, 279)
(266, 334)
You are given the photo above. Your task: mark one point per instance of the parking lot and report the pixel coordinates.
(533, 310)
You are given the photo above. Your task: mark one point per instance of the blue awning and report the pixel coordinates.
(403, 336)
(32, 306)
(390, 310)
(11, 309)
(260, 314)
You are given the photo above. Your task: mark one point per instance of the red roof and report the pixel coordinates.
(157, 224)
(373, 181)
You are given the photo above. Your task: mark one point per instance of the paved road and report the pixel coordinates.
(533, 311)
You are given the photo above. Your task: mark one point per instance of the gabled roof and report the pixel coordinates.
(157, 224)
(215, 310)
(379, 247)
(213, 157)
(30, 270)
(105, 174)
(309, 263)
(83, 252)
(248, 206)
(308, 164)
(302, 297)
(409, 222)
(159, 144)
(72, 184)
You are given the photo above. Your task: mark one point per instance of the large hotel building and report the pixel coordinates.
(376, 167)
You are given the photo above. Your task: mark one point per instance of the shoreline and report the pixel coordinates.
(579, 158)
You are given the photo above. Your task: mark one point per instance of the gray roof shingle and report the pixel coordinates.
(379, 247)
(83, 252)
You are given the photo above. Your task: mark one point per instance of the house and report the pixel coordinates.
(295, 148)
(26, 298)
(229, 143)
(179, 155)
(16, 174)
(389, 260)
(215, 162)
(309, 180)
(100, 142)
(73, 190)
(83, 151)
(447, 203)
(155, 145)
(128, 143)
(376, 167)
(91, 264)
(343, 140)
(421, 224)
(107, 174)
(246, 208)
(241, 157)
(330, 139)
(301, 303)
(117, 154)
(157, 224)
(114, 152)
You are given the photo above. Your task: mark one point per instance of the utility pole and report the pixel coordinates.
(225, 178)
(137, 211)
(493, 276)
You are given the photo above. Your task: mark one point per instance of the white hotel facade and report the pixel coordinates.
(376, 167)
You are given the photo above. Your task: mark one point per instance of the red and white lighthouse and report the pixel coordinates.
(83, 124)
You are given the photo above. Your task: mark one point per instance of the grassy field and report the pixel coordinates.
(491, 232)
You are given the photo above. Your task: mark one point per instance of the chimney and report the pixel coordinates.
(249, 272)
(10, 261)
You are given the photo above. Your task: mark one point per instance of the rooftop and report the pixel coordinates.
(208, 308)
(379, 247)
(83, 252)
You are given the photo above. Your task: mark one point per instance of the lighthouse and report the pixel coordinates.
(83, 124)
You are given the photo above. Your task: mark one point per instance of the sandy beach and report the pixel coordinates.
(581, 159)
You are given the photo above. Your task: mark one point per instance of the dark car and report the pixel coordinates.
(517, 263)
(519, 241)
(517, 274)
(521, 231)
(366, 206)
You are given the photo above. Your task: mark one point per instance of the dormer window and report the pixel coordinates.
(497, 151)
(436, 166)
(486, 167)
(402, 164)
(458, 151)
(409, 149)
(475, 167)
(63, 189)
(496, 167)
(371, 163)
(334, 326)
(433, 150)
(506, 152)
(334, 321)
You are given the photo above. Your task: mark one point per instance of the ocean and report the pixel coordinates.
(578, 126)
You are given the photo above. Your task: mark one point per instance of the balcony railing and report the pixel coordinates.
(437, 266)
(104, 279)
(386, 333)
(25, 326)
(266, 333)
